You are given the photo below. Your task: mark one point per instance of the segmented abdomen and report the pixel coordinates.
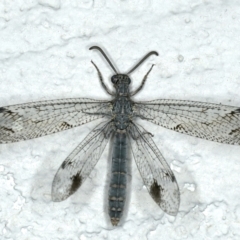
(118, 182)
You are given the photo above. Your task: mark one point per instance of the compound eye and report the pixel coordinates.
(114, 79)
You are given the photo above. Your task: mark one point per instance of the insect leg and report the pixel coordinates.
(143, 82)
(101, 80)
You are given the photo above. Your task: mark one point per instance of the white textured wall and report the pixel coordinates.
(44, 55)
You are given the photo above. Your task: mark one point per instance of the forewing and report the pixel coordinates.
(32, 120)
(215, 122)
(78, 165)
(156, 174)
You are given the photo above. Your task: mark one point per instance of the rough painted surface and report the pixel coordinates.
(44, 55)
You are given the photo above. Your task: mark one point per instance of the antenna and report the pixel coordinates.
(143, 59)
(99, 49)
(136, 66)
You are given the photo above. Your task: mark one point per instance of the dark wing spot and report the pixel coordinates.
(65, 125)
(76, 183)
(2, 109)
(178, 127)
(234, 131)
(64, 164)
(8, 111)
(155, 191)
(171, 176)
(235, 111)
(7, 129)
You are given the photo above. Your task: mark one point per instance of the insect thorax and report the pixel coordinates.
(122, 111)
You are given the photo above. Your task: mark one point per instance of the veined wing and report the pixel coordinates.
(32, 120)
(215, 122)
(78, 165)
(156, 174)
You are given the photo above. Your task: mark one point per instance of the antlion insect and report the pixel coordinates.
(204, 120)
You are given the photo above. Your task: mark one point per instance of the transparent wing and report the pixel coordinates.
(32, 120)
(213, 122)
(156, 174)
(78, 165)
